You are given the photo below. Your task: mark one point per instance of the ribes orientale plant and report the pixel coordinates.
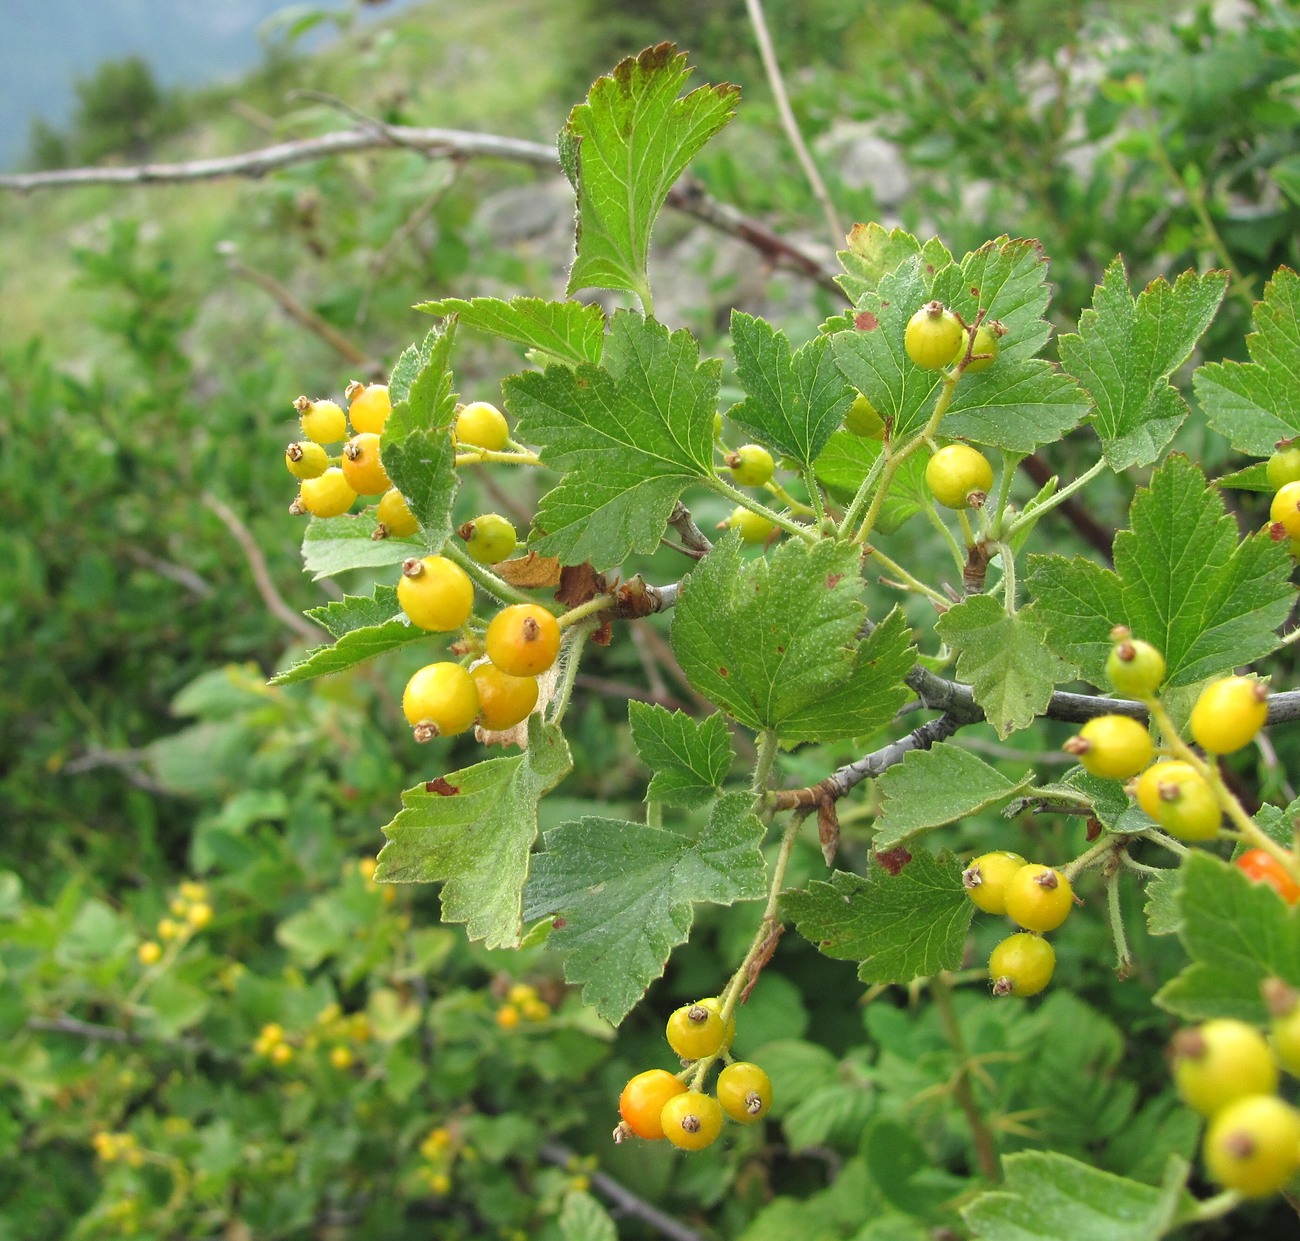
(811, 622)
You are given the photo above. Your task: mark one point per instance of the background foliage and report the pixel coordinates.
(146, 375)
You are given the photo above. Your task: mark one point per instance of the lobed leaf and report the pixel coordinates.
(1182, 581)
(1256, 403)
(689, 758)
(1125, 351)
(628, 435)
(899, 927)
(475, 835)
(874, 251)
(622, 150)
(625, 893)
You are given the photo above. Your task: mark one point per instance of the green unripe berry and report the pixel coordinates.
(489, 539)
(1134, 667)
(751, 465)
(984, 349)
(862, 419)
(1175, 795)
(753, 527)
(306, 459)
(1284, 467)
(959, 476)
(932, 337)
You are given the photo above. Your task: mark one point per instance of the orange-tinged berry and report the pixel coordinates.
(504, 701)
(363, 467)
(642, 1102)
(435, 593)
(523, 639)
(1262, 867)
(368, 407)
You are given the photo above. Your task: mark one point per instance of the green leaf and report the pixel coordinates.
(335, 544)
(582, 1218)
(1181, 581)
(936, 786)
(1125, 351)
(773, 641)
(417, 448)
(568, 331)
(1250, 478)
(847, 459)
(356, 611)
(1047, 1196)
(874, 251)
(477, 838)
(630, 435)
(1005, 660)
(1256, 403)
(795, 399)
(354, 647)
(625, 892)
(622, 150)
(1237, 933)
(900, 927)
(1110, 805)
(1162, 904)
(689, 758)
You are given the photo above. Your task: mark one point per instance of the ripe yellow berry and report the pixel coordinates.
(167, 929)
(341, 1057)
(986, 878)
(1039, 898)
(1286, 509)
(1253, 1145)
(435, 593)
(149, 953)
(306, 460)
(692, 1120)
(481, 425)
(959, 476)
(281, 1054)
(394, 515)
(330, 495)
(1021, 965)
(745, 1092)
(504, 701)
(1113, 746)
(694, 1031)
(363, 467)
(523, 639)
(1228, 714)
(323, 422)
(1220, 1062)
(535, 1010)
(1174, 794)
(440, 701)
(199, 915)
(507, 1016)
(368, 407)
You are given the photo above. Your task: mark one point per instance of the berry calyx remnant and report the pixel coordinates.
(395, 516)
(504, 701)
(329, 495)
(933, 337)
(1133, 667)
(986, 878)
(323, 422)
(1038, 898)
(1219, 1062)
(435, 593)
(368, 406)
(306, 459)
(641, 1105)
(1022, 965)
(1228, 714)
(959, 476)
(481, 425)
(440, 701)
(489, 539)
(362, 466)
(1112, 746)
(1179, 799)
(523, 639)
(751, 465)
(745, 1092)
(692, 1120)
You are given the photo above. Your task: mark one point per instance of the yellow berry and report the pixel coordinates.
(1179, 799)
(481, 425)
(1286, 509)
(149, 953)
(692, 1120)
(986, 878)
(751, 465)
(507, 1016)
(341, 1057)
(199, 915)
(504, 701)
(330, 495)
(1253, 1145)
(864, 420)
(1228, 714)
(1221, 1061)
(1113, 746)
(745, 1092)
(323, 422)
(489, 539)
(984, 350)
(368, 407)
(305, 459)
(435, 593)
(363, 467)
(523, 639)
(1038, 897)
(1021, 965)
(933, 337)
(959, 476)
(395, 516)
(440, 701)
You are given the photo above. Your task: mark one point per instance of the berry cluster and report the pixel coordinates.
(189, 911)
(1036, 898)
(522, 1003)
(342, 1033)
(1228, 1072)
(659, 1104)
(329, 486)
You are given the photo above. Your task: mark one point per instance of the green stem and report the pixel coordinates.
(986, 1147)
(1008, 578)
(1053, 500)
(964, 522)
(1089, 858)
(1123, 957)
(488, 581)
(1165, 841)
(795, 506)
(932, 516)
(815, 497)
(863, 493)
(765, 762)
(480, 455)
(599, 604)
(654, 813)
(1010, 463)
(757, 506)
(913, 584)
(569, 670)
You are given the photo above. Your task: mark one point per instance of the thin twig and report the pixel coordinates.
(274, 601)
(107, 1034)
(301, 315)
(128, 762)
(788, 122)
(623, 1198)
(179, 573)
